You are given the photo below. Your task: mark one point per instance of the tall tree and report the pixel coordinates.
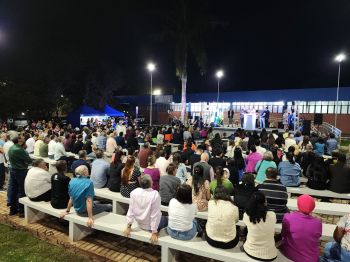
(186, 26)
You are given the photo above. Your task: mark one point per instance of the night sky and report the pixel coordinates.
(259, 44)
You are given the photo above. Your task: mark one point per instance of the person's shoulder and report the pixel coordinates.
(136, 191)
(271, 215)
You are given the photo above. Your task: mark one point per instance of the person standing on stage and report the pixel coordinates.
(262, 119)
(230, 114)
(241, 116)
(267, 117)
(285, 119)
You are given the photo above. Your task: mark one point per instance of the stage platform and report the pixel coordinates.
(230, 130)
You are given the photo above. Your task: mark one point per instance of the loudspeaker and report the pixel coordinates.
(318, 119)
(280, 125)
(189, 115)
(307, 127)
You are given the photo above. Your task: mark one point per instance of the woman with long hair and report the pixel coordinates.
(260, 222)
(243, 192)
(220, 180)
(115, 172)
(182, 224)
(277, 154)
(181, 170)
(271, 141)
(302, 144)
(239, 162)
(290, 171)
(317, 174)
(130, 177)
(222, 218)
(200, 188)
(153, 172)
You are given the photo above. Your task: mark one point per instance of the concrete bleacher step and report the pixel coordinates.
(199, 247)
(120, 207)
(116, 224)
(34, 211)
(316, 193)
(324, 208)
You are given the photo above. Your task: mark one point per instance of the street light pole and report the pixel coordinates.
(336, 107)
(151, 67)
(339, 58)
(151, 102)
(219, 74)
(217, 100)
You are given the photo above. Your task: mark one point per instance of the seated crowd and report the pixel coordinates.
(247, 180)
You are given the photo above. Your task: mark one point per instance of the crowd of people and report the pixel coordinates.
(245, 180)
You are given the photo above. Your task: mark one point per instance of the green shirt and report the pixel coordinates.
(226, 183)
(44, 150)
(18, 157)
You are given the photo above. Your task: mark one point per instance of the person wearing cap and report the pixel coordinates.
(301, 232)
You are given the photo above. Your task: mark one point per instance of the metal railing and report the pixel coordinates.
(328, 128)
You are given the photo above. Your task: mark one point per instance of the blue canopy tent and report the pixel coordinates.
(73, 117)
(110, 111)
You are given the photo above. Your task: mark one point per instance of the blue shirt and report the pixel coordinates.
(99, 172)
(332, 145)
(79, 189)
(80, 162)
(319, 149)
(101, 142)
(289, 173)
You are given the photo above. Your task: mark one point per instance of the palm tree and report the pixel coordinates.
(185, 26)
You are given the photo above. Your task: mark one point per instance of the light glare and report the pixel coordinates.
(219, 74)
(341, 57)
(157, 92)
(151, 67)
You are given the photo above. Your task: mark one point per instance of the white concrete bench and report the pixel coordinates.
(115, 224)
(316, 193)
(34, 211)
(323, 208)
(201, 248)
(51, 162)
(120, 206)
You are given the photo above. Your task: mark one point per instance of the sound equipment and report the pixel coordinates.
(280, 125)
(307, 127)
(318, 119)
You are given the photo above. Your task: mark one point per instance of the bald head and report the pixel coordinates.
(82, 171)
(205, 157)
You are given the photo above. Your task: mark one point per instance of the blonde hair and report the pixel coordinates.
(268, 156)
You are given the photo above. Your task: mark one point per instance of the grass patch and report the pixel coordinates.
(17, 245)
(345, 142)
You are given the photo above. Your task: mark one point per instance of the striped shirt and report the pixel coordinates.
(276, 197)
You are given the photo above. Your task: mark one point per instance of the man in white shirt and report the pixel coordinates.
(37, 184)
(52, 144)
(162, 163)
(144, 208)
(111, 144)
(60, 151)
(187, 135)
(30, 144)
(37, 145)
